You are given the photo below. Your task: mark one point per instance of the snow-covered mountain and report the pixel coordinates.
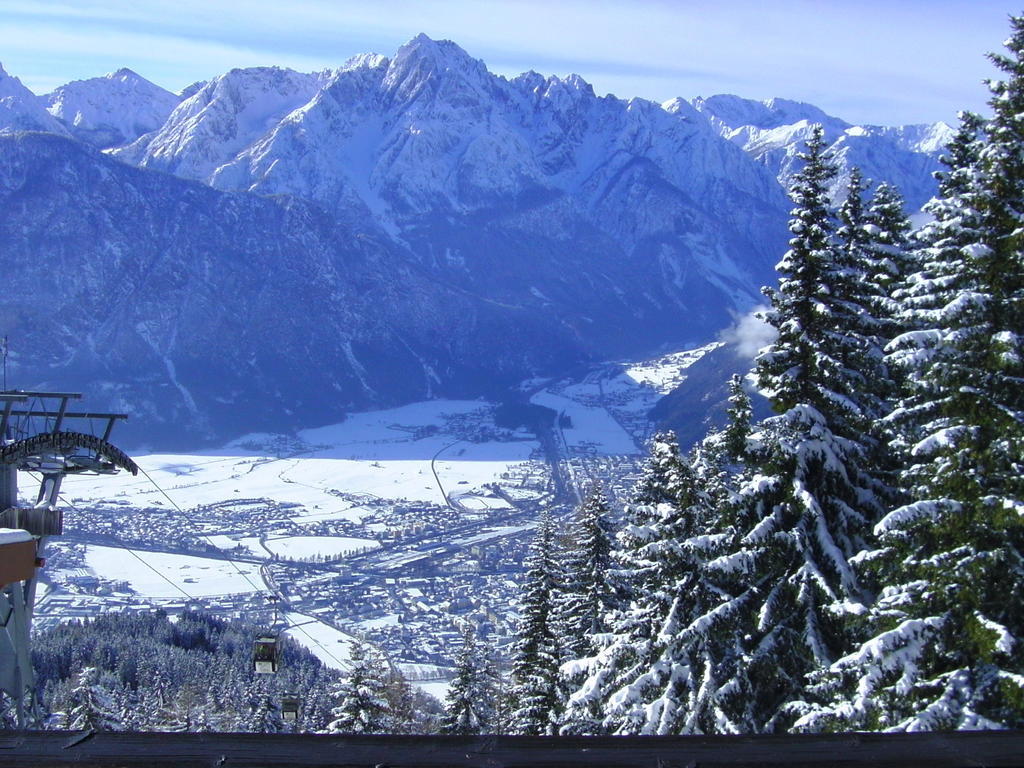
(21, 110)
(221, 117)
(111, 110)
(394, 229)
(204, 313)
(496, 184)
(774, 131)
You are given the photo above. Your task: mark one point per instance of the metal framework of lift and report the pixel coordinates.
(33, 439)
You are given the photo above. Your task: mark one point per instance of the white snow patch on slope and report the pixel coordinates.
(309, 546)
(199, 576)
(330, 645)
(591, 427)
(666, 373)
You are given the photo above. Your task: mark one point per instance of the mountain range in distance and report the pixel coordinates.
(271, 249)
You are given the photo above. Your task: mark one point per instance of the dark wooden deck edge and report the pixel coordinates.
(31, 749)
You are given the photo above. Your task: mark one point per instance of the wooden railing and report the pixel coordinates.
(53, 749)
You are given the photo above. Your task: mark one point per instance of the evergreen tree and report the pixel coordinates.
(536, 699)
(91, 704)
(193, 674)
(126, 707)
(586, 595)
(470, 703)
(733, 439)
(890, 256)
(157, 708)
(889, 260)
(633, 578)
(945, 650)
(264, 707)
(805, 508)
(655, 672)
(363, 705)
(874, 258)
(856, 286)
(401, 705)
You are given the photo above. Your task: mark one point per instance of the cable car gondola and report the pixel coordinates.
(289, 707)
(266, 654)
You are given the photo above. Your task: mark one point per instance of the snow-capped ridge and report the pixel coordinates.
(365, 61)
(774, 131)
(111, 110)
(424, 67)
(683, 109)
(21, 110)
(191, 90)
(735, 112)
(125, 74)
(222, 118)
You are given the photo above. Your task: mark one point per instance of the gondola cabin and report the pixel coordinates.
(290, 707)
(266, 656)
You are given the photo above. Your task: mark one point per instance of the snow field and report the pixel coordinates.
(295, 547)
(309, 546)
(666, 373)
(330, 645)
(385, 454)
(591, 427)
(197, 576)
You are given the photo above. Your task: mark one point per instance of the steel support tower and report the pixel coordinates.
(33, 439)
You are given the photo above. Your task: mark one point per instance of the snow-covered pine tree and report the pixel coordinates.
(536, 698)
(655, 671)
(586, 595)
(401, 704)
(852, 236)
(632, 576)
(732, 440)
(362, 696)
(264, 709)
(946, 649)
(806, 507)
(890, 254)
(91, 704)
(470, 703)
(157, 708)
(127, 703)
(875, 257)
(854, 279)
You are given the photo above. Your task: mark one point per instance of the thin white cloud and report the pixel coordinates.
(169, 61)
(867, 61)
(750, 334)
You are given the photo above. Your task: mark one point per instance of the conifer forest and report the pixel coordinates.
(853, 562)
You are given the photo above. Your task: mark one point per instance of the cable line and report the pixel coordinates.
(209, 541)
(163, 576)
(264, 588)
(123, 546)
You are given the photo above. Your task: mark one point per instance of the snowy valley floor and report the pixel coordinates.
(394, 526)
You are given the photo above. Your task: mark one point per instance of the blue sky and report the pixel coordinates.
(867, 61)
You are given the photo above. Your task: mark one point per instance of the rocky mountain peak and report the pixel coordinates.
(774, 131)
(223, 117)
(734, 112)
(21, 110)
(110, 110)
(365, 61)
(424, 67)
